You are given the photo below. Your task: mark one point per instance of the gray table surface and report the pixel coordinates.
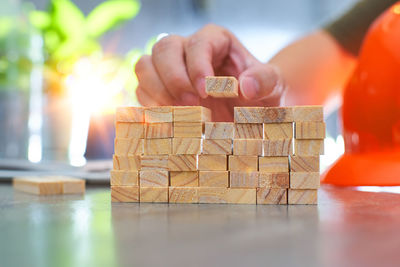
(347, 228)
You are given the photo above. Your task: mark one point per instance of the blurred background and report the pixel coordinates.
(66, 64)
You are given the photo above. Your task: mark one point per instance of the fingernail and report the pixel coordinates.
(190, 99)
(201, 87)
(250, 87)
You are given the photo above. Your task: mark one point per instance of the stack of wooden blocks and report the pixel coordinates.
(177, 155)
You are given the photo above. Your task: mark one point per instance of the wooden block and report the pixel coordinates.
(304, 180)
(272, 196)
(273, 164)
(302, 196)
(186, 145)
(310, 147)
(124, 178)
(158, 146)
(218, 130)
(281, 147)
(248, 131)
(130, 114)
(243, 179)
(188, 129)
(263, 114)
(182, 162)
(310, 130)
(184, 178)
(155, 162)
(277, 131)
(192, 114)
(158, 114)
(308, 113)
(158, 130)
(154, 194)
(38, 185)
(217, 146)
(247, 147)
(153, 178)
(222, 86)
(183, 195)
(213, 163)
(304, 163)
(129, 130)
(214, 178)
(124, 193)
(243, 163)
(227, 195)
(72, 185)
(126, 163)
(128, 146)
(273, 179)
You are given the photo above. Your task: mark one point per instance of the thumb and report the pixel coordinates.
(261, 81)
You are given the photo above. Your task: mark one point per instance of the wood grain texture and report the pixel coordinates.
(126, 163)
(248, 131)
(273, 180)
(154, 194)
(72, 185)
(155, 162)
(130, 114)
(222, 86)
(227, 195)
(243, 163)
(310, 147)
(272, 196)
(188, 129)
(191, 114)
(302, 196)
(217, 146)
(158, 130)
(308, 113)
(182, 162)
(184, 178)
(124, 193)
(214, 178)
(304, 180)
(183, 195)
(304, 163)
(158, 114)
(277, 131)
(38, 185)
(124, 178)
(273, 164)
(310, 130)
(248, 114)
(129, 130)
(188, 146)
(161, 146)
(128, 146)
(218, 130)
(283, 147)
(243, 179)
(153, 178)
(213, 163)
(247, 147)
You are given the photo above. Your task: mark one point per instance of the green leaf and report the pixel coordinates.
(109, 14)
(39, 19)
(68, 19)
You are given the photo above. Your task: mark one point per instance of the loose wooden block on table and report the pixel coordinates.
(281, 147)
(213, 178)
(128, 146)
(154, 194)
(130, 114)
(222, 86)
(273, 180)
(243, 163)
(212, 163)
(124, 178)
(129, 130)
(308, 113)
(263, 114)
(273, 164)
(158, 130)
(302, 196)
(38, 185)
(182, 162)
(72, 185)
(217, 146)
(191, 114)
(184, 178)
(183, 195)
(186, 145)
(218, 130)
(310, 147)
(310, 130)
(126, 163)
(272, 196)
(155, 162)
(161, 146)
(247, 147)
(304, 180)
(188, 129)
(158, 114)
(153, 178)
(304, 163)
(277, 131)
(243, 179)
(248, 131)
(227, 195)
(124, 193)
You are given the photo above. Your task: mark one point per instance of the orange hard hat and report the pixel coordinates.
(371, 110)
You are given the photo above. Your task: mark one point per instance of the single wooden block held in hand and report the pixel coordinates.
(158, 114)
(192, 114)
(214, 178)
(154, 194)
(183, 195)
(277, 131)
(227, 195)
(155, 162)
(182, 162)
(188, 129)
(129, 130)
(218, 130)
(161, 146)
(124, 178)
(222, 86)
(308, 113)
(304, 163)
(247, 147)
(124, 193)
(243, 163)
(213, 163)
(38, 185)
(273, 164)
(158, 130)
(186, 145)
(272, 196)
(304, 180)
(153, 178)
(302, 196)
(128, 146)
(273, 180)
(310, 130)
(217, 146)
(248, 131)
(126, 163)
(130, 114)
(281, 147)
(310, 147)
(243, 179)
(184, 178)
